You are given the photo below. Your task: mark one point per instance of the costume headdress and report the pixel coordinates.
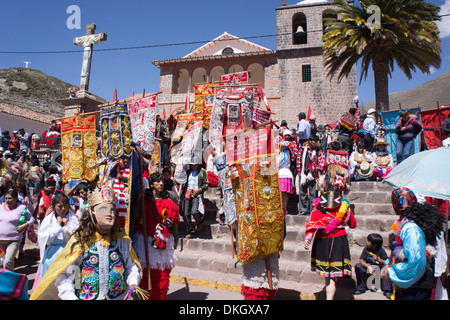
(103, 195)
(402, 199)
(330, 200)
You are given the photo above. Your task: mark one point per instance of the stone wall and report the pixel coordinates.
(327, 98)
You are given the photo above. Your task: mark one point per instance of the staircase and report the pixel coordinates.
(209, 256)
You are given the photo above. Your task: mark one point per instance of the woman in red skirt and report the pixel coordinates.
(325, 229)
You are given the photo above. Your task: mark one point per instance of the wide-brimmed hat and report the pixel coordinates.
(381, 142)
(365, 169)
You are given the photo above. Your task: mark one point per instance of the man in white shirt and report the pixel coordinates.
(370, 128)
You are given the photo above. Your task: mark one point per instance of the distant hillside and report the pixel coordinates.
(426, 96)
(33, 90)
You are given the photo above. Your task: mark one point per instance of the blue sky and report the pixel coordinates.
(41, 25)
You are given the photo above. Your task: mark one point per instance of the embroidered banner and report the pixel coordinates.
(256, 189)
(216, 126)
(192, 144)
(116, 131)
(79, 148)
(229, 207)
(183, 121)
(203, 102)
(238, 102)
(235, 78)
(260, 115)
(143, 122)
(242, 146)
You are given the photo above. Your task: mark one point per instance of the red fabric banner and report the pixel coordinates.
(432, 121)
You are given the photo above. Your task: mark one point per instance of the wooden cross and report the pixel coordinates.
(88, 42)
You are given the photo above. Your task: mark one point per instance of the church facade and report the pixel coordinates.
(292, 76)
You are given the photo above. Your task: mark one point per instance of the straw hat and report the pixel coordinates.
(381, 142)
(365, 169)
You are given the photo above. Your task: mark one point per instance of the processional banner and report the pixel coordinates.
(203, 102)
(143, 122)
(254, 177)
(79, 148)
(191, 150)
(229, 207)
(116, 131)
(183, 121)
(238, 103)
(235, 78)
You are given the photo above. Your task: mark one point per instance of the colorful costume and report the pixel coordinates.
(162, 220)
(413, 243)
(286, 155)
(105, 266)
(325, 228)
(383, 161)
(365, 160)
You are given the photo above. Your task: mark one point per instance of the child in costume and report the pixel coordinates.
(162, 221)
(383, 160)
(414, 238)
(99, 253)
(325, 229)
(358, 159)
(54, 232)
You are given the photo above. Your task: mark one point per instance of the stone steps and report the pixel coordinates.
(212, 250)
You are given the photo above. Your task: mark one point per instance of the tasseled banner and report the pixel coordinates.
(257, 294)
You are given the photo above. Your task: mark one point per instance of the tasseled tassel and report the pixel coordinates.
(137, 293)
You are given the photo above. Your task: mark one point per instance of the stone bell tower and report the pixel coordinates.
(303, 79)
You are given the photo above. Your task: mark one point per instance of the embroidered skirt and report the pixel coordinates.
(331, 257)
(287, 185)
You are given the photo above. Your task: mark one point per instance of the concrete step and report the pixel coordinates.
(211, 253)
(294, 261)
(370, 186)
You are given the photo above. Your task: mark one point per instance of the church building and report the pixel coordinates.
(293, 76)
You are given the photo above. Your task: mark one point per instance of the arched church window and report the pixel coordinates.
(228, 50)
(299, 29)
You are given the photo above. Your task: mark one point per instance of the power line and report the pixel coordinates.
(435, 18)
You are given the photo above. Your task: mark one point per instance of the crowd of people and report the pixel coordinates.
(74, 223)
(316, 158)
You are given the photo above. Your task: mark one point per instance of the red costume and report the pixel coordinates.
(161, 217)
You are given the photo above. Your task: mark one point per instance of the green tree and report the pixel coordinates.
(405, 35)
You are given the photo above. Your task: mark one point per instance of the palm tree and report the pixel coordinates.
(407, 36)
